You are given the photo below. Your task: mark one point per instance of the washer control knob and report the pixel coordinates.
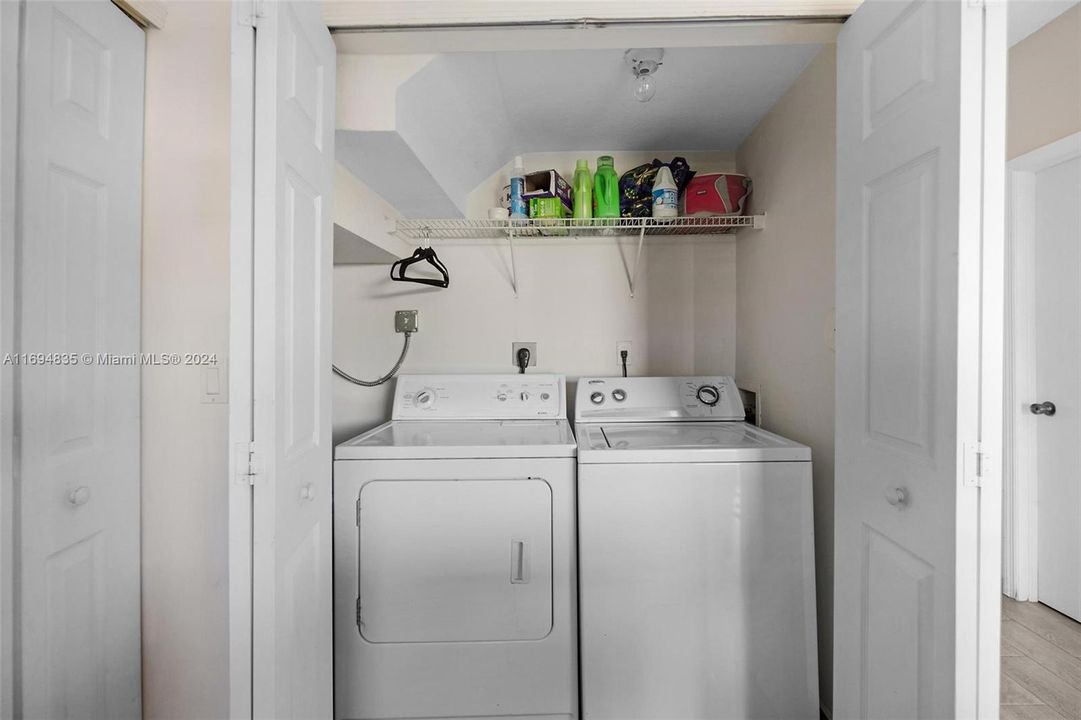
(619, 394)
(502, 397)
(524, 396)
(709, 395)
(424, 399)
(597, 398)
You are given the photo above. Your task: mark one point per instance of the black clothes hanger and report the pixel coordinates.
(425, 253)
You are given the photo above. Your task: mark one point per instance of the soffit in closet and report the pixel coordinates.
(461, 117)
(1025, 18)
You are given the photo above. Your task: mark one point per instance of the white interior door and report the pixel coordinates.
(292, 667)
(919, 100)
(78, 417)
(1058, 347)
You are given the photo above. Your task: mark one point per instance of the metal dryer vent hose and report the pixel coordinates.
(374, 383)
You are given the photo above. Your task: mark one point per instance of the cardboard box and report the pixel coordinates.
(547, 211)
(546, 207)
(548, 184)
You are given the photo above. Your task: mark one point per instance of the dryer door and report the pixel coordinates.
(455, 560)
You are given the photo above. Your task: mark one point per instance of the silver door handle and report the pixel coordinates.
(1045, 408)
(897, 496)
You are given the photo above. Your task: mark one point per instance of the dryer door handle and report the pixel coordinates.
(519, 563)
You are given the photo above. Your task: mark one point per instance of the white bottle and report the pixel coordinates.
(665, 195)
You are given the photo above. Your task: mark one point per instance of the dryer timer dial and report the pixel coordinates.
(708, 395)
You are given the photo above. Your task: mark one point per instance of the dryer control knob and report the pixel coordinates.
(424, 399)
(524, 396)
(596, 398)
(709, 395)
(619, 394)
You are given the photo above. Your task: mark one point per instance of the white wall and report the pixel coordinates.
(185, 309)
(785, 296)
(361, 211)
(1044, 99)
(573, 301)
(367, 89)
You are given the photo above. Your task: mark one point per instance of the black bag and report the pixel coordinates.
(636, 186)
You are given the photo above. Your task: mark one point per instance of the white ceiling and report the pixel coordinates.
(707, 98)
(465, 115)
(1025, 17)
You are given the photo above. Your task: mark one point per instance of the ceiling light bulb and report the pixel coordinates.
(645, 87)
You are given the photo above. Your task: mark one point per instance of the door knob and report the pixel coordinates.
(897, 496)
(79, 496)
(1045, 408)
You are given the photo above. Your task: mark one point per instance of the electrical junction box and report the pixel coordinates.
(405, 321)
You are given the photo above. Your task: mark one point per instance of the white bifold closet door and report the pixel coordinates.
(920, 168)
(292, 622)
(1057, 294)
(77, 416)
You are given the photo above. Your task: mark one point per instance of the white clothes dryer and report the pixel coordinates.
(454, 554)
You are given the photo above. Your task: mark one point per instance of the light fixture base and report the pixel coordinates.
(644, 61)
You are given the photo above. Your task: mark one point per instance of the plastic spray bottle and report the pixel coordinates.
(518, 209)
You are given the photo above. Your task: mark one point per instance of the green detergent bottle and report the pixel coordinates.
(605, 189)
(583, 191)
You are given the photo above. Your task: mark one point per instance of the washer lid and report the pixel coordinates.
(408, 439)
(685, 442)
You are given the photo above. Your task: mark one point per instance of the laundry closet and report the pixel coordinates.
(867, 212)
(425, 146)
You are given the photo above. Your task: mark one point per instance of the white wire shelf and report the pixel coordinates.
(510, 233)
(469, 230)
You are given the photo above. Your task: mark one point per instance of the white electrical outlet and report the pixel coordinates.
(620, 347)
(530, 346)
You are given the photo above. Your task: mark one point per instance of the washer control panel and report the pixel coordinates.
(641, 399)
(479, 397)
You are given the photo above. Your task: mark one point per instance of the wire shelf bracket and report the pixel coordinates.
(632, 278)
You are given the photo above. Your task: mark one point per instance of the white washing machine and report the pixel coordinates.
(696, 556)
(454, 554)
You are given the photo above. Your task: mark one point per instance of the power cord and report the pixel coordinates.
(623, 358)
(375, 383)
(523, 360)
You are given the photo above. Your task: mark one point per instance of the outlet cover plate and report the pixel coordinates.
(531, 346)
(405, 321)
